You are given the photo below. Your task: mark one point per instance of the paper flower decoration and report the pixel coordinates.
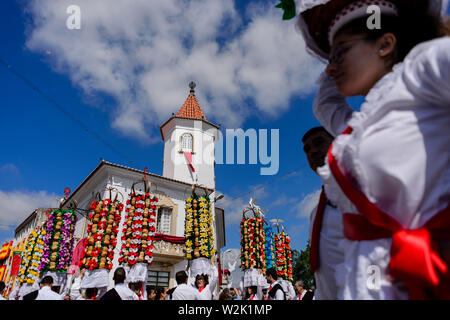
(198, 228)
(58, 240)
(283, 256)
(269, 247)
(31, 257)
(103, 226)
(253, 244)
(280, 254)
(139, 230)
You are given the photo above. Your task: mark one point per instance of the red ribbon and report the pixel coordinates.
(413, 256)
(315, 236)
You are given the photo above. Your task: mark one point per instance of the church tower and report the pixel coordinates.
(189, 144)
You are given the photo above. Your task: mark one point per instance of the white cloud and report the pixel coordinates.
(15, 206)
(305, 207)
(144, 54)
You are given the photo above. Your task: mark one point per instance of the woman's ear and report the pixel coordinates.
(386, 44)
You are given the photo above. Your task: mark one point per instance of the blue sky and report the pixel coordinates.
(126, 71)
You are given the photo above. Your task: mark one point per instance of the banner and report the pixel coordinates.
(15, 265)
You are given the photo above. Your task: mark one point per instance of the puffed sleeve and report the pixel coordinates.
(427, 71)
(214, 279)
(330, 107)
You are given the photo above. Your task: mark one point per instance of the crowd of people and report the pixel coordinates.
(273, 289)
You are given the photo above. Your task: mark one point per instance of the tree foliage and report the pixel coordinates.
(301, 268)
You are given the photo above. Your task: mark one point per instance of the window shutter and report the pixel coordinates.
(164, 220)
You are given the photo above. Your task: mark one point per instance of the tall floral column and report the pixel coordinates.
(269, 246)
(103, 226)
(288, 254)
(253, 246)
(29, 272)
(138, 235)
(198, 233)
(283, 255)
(280, 255)
(58, 244)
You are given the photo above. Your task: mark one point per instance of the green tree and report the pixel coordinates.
(301, 269)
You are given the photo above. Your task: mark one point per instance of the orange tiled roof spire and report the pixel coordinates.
(191, 108)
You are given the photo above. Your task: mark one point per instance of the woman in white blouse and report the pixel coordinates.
(389, 171)
(206, 284)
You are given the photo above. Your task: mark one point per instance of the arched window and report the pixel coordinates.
(187, 142)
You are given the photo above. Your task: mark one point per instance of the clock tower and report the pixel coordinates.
(189, 144)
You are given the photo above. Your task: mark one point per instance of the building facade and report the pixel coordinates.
(188, 160)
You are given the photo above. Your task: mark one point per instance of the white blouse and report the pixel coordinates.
(207, 292)
(398, 155)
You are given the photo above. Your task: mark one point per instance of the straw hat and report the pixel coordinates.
(316, 16)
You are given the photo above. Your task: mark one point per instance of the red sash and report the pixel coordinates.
(315, 236)
(141, 287)
(413, 256)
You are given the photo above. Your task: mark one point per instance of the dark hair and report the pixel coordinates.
(181, 277)
(159, 293)
(149, 290)
(225, 295)
(47, 280)
(134, 286)
(314, 131)
(2, 286)
(201, 276)
(410, 28)
(254, 289)
(91, 292)
(119, 275)
(273, 273)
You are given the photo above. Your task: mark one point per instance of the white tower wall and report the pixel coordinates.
(176, 166)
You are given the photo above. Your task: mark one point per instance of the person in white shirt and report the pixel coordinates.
(303, 294)
(325, 228)
(207, 284)
(75, 289)
(121, 291)
(254, 292)
(182, 291)
(46, 292)
(276, 291)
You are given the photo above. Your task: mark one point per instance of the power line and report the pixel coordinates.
(64, 111)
